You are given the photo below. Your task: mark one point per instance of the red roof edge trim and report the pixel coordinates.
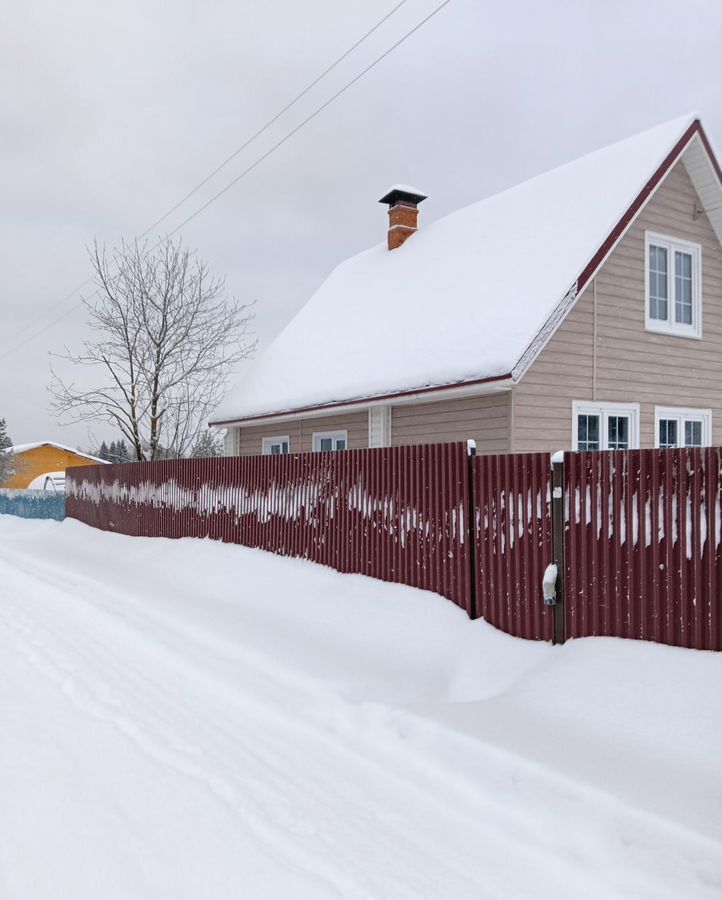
(363, 401)
(642, 197)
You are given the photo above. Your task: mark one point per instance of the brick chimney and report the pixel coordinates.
(403, 202)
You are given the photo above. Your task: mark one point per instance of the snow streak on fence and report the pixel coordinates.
(513, 541)
(642, 545)
(398, 514)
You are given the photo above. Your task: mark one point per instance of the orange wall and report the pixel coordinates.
(40, 460)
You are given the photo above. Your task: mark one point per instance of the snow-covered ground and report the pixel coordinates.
(192, 720)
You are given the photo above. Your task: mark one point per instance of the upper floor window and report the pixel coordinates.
(329, 440)
(673, 286)
(605, 426)
(275, 446)
(676, 426)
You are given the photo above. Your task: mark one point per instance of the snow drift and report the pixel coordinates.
(189, 719)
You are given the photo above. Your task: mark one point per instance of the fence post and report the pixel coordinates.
(559, 632)
(471, 528)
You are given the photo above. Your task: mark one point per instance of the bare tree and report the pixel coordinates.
(164, 340)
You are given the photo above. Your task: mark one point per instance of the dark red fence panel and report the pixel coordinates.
(642, 545)
(398, 514)
(641, 528)
(513, 546)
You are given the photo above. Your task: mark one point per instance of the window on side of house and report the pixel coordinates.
(673, 294)
(275, 446)
(324, 441)
(605, 426)
(676, 426)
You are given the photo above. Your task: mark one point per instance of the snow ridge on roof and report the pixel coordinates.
(462, 299)
(22, 448)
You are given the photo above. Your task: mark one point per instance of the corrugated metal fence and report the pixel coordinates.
(642, 545)
(398, 514)
(513, 541)
(32, 504)
(635, 534)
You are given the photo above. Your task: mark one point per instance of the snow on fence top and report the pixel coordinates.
(475, 287)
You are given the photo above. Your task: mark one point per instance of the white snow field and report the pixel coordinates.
(186, 719)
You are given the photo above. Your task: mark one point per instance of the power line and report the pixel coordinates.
(274, 119)
(223, 164)
(257, 162)
(309, 118)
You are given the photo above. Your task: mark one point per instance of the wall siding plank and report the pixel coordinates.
(486, 419)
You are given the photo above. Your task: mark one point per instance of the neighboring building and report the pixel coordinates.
(45, 459)
(581, 309)
(54, 482)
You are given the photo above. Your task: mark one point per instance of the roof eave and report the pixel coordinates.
(371, 400)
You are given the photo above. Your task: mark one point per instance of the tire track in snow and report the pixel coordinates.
(223, 788)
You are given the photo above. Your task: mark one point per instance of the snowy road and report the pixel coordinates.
(191, 720)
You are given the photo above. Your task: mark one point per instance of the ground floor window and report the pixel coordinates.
(329, 440)
(275, 446)
(605, 426)
(676, 426)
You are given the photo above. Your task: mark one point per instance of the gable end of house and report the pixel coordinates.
(695, 151)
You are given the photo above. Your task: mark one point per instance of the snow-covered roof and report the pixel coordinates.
(22, 448)
(465, 298)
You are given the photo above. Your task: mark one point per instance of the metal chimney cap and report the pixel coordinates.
(402, 192)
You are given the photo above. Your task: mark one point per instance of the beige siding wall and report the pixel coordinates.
(485, 419)
(300, 432)
(632, 365)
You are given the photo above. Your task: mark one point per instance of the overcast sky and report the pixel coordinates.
(111, 113)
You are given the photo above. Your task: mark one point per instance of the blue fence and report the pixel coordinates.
(33, 504)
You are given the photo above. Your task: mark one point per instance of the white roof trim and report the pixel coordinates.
(703, 176)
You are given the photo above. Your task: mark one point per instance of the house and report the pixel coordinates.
(580, 309)
(34, 463)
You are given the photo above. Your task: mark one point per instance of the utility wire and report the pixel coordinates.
(221, 166)
(257, 162)
(309, 118)
(274, 119)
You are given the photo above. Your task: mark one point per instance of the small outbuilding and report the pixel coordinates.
(44, 458)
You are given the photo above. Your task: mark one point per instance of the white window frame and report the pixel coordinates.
(682, 414)
(604, 410)
(318, 436)
(668, 325)
(268, 442)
